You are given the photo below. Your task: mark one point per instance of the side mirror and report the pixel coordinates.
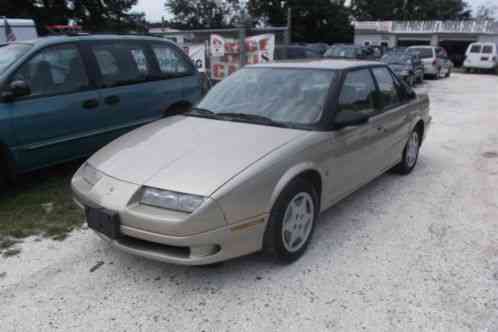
(15, 90)
(348, 118)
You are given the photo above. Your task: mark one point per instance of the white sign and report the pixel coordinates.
(197, 54)
(217, 45)
(225, 53)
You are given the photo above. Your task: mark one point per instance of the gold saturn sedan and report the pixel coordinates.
(251, 167)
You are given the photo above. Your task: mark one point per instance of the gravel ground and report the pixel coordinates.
(416, 253)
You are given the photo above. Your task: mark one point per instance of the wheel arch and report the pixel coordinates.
(308, 171)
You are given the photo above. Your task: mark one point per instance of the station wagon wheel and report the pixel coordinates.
(410, 154)
(292, 221)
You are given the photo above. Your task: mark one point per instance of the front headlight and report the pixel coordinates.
(90, 174)
(171, 200)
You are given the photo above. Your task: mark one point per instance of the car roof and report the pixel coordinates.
(318, 64)
(45, 41)
(422, 46)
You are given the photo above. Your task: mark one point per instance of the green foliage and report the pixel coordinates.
(202, 14)
(364, 10)
(312, 20)
(92, 15)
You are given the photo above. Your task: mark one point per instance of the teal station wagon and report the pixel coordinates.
(64, 97)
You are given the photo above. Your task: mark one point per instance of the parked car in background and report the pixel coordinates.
(319, 47)
(408, 67)
(355, 52)
(295, 52)
(481, 56)
(22, 29)
(63, 98)
(252, 167)
(437, 64)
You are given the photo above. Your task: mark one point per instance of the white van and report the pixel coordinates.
(22, 29)
(481, 56)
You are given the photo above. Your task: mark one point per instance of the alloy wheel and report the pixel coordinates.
(298, 222)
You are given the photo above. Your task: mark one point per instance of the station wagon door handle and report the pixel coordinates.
(90, 103)
(112, 100)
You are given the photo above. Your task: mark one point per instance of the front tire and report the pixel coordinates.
(410, 154)
(292, 221)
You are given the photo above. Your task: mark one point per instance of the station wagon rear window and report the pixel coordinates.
(10, 53)
(487, 49)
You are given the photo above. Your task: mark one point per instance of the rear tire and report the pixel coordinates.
(410, 154)
(292, 221)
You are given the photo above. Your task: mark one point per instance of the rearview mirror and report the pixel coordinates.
(348, 118)
(15, 90)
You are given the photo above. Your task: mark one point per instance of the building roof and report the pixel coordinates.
(317, 64)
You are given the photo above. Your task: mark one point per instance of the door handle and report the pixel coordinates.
(112, 100)
(90, 103)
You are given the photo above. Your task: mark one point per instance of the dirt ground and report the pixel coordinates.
(416, 253)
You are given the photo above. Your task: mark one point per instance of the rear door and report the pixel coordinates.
(488, 56)
(392, 120)
(57, 121)
(127, 89)
(474, 55)
(179, 80)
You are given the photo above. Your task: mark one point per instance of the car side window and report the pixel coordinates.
(54, 70)
(358, 92)
(121, 63)
(387, 87)
(170, 62)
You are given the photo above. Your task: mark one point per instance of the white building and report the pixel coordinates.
(23, 29)
(455, 36)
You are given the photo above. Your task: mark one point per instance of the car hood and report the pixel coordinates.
(189, 154)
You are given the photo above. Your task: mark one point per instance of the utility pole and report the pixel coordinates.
(288, 33)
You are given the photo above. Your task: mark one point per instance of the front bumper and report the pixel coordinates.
(168, 236)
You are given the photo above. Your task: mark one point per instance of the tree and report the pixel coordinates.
(201, 14)
(92, 15)
(373, 10)
(314, 21)
(486, 12)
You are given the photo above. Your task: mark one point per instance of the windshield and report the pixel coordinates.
(286, 96)
(10, 53)
(341, 52)
(424, 52)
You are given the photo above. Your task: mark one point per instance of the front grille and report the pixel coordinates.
(161, 249)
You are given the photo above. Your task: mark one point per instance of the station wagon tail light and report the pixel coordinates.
(171, 200)
(90, 174)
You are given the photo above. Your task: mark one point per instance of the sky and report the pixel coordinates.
(154, 9)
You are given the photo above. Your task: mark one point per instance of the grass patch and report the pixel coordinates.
(40, 204)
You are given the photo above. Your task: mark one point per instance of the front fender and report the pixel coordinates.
(290, 175)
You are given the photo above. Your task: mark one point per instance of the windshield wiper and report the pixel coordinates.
(259, 119)
(201, 111)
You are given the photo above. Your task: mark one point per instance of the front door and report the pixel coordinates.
(352, 156)
(56, 121)
(392, 120)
